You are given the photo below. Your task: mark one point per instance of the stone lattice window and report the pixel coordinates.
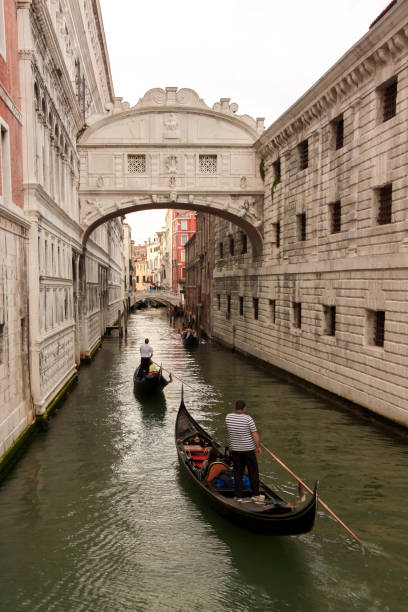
(136, 164)
(208, 164)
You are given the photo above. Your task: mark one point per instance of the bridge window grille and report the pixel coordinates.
(208, 164)
(241, 305)
(303, 149)
(255, 302)
(136, 164)
(329, 313)
(301, 226)
(272, 309)
(335, 217)
(390, 100)
(297, 314)
(384, 205)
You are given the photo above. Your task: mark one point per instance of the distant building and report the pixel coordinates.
(139, 262)
(183, 227)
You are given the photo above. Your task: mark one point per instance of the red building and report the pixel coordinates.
(183, 227)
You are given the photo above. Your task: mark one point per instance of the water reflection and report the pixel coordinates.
(152, 406)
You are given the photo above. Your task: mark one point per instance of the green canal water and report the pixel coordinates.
(95, 517)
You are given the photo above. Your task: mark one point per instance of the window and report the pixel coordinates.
(5, 166)
(244, 243)
(136, 164)
(183, 256)
(276, 170)
(297, 314)
(301, 226)
(231, 245)
(277, 234)
(137, 279)
(384, 196)
(218, 302)
(221, 250)
(272, 310)
(329, 313)
(335, 217)
(228, 315)
(2, 31)
(389, 100)
(183, 225)
(1, 342)
(337, 126)
(375, 327)
(144, 279)
(241, 305)
(183, 239)
(255, 302)
(303, 149)
(207, 164)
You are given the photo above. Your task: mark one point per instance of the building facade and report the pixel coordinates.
(139, 260)
(183, 227)
(327, 301)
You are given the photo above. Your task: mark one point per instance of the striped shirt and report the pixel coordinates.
(240, 427)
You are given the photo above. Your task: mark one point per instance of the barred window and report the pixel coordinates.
(329, 313)
(384, 205)
(208, 164)
(277, 169)
(339, 132)
(297, 314)
(241, 305)
(335, 217)
(301, 226)
(303, 149)
(255, 302)
(277, 234)
(390, 100)
(136, 164)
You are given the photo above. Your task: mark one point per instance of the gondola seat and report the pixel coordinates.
(215, 469)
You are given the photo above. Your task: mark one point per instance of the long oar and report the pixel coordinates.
(311, 492)
(184, 382)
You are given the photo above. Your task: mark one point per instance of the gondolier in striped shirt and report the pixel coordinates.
(245, 444)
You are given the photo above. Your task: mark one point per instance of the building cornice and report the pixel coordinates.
(387, 41)
(14, 110)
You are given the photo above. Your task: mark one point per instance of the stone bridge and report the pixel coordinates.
(160, 295)
(171, 150)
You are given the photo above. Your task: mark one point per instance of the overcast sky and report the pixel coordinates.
(263, 54)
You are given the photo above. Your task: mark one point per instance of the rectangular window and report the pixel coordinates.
(183, 239)
(277, 170)
(241, 305)
(228, 307)
(137, 279)
(255, 302)
(329, 313)
(218, 302)
(136, 164)
(301, 226)
(231, 245)
(297, 314)
(183, 225)
(303, 149)
(144, 279)
(375, 327)
(389, 100)
(277, 234)
(221, 250)
(1, 342)
(272, 310)
(207, 164)
(5, 165)
(335, 217)
(244, 243)
(338, 132)
(384, 205)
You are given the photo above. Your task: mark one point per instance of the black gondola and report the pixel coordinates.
(150, 382)
(189, 339)
(273, 516)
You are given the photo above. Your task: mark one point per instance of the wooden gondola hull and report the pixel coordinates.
(149, 384)
(278, 521)
(190, 341)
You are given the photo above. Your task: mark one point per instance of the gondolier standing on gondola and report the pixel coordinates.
(245, 445)
(146, 353)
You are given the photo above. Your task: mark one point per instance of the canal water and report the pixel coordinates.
(96, 517)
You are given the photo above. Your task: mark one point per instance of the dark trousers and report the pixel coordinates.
(145, 364)
(242, 459)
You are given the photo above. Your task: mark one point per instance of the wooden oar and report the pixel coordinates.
(325, 506)
(184, 382)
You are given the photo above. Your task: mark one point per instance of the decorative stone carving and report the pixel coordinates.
(173, 196)
(171, 163)
(171, 126)
(243, 182)
(100, 182)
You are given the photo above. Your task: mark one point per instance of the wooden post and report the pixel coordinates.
(125, 321)
(120, 324)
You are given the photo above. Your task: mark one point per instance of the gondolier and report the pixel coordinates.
(146, 353)
(245, 444)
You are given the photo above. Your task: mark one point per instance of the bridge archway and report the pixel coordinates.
(172, 151)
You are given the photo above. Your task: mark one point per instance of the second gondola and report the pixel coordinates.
(149, 382)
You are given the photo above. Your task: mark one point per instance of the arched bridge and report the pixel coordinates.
(171, 150)
(159, 295)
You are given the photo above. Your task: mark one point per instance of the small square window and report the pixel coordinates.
(297, 314)
(384, 195)
(255, 302)
(335, 217)
(207, 164)
(303, 149)
(272, 311)
(136, 164)
(329, 313)
(241, 305)
(301, 226)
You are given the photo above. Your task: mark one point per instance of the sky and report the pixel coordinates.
(263, 54)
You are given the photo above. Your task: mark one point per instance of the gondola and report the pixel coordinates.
(190, 339)
(151, 382)
(273, 516)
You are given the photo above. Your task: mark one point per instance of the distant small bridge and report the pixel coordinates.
(158, 295)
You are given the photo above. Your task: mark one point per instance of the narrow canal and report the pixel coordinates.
(96, 518)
